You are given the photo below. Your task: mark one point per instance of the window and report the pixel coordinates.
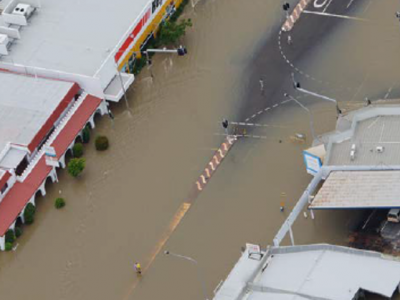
(155, 5)
(4, 188)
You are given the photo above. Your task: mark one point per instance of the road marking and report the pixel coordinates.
(225, 146)
(220, 153)
(275, 105)
(212, 165)
(267, 109)
(388, 92)
(326, 7)
(176, 219)
(319, 5)
(253, 116)
(335, 16)
(208, 172)
(350, 3)
(203, 178)
(260, 112)
(216, 160)
(198, 186)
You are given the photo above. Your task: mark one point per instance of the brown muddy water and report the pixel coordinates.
(119, 210)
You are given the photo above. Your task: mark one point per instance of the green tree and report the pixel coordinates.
(101, 143)
(76, 166)
(77, 150)
(171, 32)
(59, 203)
(29, 213)
(9, 246)
(10, 236)
(18, 232)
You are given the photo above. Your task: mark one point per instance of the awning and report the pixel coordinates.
(359, 190)
(115, 90)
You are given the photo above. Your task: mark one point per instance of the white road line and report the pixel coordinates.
(208, 172)
(275, 105)
(334, 15)
(199, 186)
(268, 108)
(250, 124)
(350, 3)
(260, 112)
(319, 5)
(388, 92)
(326, 7)
(367, 7)
(247, 119)
(253, 116)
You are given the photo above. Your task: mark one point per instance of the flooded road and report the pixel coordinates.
(120, 210)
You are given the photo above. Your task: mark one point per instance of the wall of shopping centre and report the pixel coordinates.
(139, 32)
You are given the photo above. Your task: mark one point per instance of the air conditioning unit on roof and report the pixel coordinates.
(23, 9)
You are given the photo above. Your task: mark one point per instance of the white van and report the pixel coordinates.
(394, 215)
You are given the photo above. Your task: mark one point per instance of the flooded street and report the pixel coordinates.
(122, 208)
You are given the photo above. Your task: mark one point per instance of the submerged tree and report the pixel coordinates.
(171, 32)
(76, 166)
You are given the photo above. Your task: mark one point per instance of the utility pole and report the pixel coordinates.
(307, 110)
(298, 87)
(201, 275)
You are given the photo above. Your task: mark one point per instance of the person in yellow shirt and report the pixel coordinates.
(138, 268)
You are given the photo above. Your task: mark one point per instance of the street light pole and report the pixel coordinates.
(308, 111)
(200, 274)
(298, 87)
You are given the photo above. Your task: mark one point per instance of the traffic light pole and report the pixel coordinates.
(298, 87)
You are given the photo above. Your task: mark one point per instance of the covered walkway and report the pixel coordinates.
(21, 193)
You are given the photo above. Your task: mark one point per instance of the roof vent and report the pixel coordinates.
(353, 152)
(380, 149)
(23, 9)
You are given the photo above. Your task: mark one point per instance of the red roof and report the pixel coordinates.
(40, 135)
(20, 194)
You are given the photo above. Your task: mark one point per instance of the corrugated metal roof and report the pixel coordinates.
(359, 189)
(311, 272)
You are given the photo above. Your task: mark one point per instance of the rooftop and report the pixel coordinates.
(311, 272)
(359, 189)
(26, 103)
(372, 132)
(16, 199)
(74, 36)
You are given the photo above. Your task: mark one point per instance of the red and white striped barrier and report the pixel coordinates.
(215, 162)
(288, 25)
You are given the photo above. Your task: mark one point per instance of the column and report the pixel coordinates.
(2, 243)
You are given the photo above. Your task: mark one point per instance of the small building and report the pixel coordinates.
(311, 272)
(36, 113)
(361, 162)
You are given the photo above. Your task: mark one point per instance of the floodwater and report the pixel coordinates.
(120, 210)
